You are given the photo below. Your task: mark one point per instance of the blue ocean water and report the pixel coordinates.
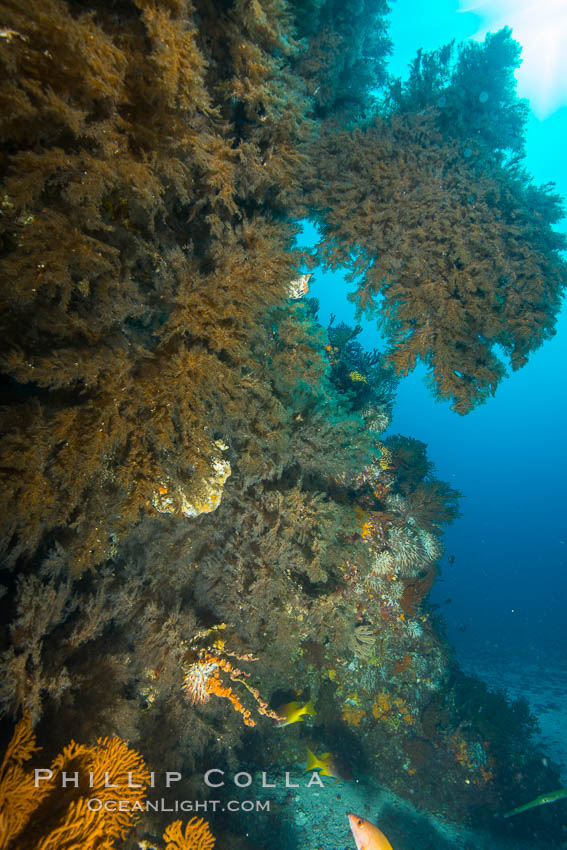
(506, 590)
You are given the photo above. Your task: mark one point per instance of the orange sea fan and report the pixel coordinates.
(16, 787)
(50, 817)
(197, 836)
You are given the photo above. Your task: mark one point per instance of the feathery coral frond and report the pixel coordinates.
(46, 816)
(449, 293)
(195, 836)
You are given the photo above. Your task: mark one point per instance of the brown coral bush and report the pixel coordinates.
(134, 262)
(110, 648)
(345, 62)
(456, 257)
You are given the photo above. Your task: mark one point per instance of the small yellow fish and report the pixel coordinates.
(326, 765)
(366, 835)
(292, 712)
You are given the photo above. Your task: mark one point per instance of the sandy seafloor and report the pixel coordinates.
(543, 682)
(315, 818)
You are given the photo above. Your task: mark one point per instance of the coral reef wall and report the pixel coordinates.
(202, 517)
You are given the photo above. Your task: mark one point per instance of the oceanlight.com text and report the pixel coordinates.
(95, 804)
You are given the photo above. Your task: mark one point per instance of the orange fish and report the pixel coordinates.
(366, 835)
